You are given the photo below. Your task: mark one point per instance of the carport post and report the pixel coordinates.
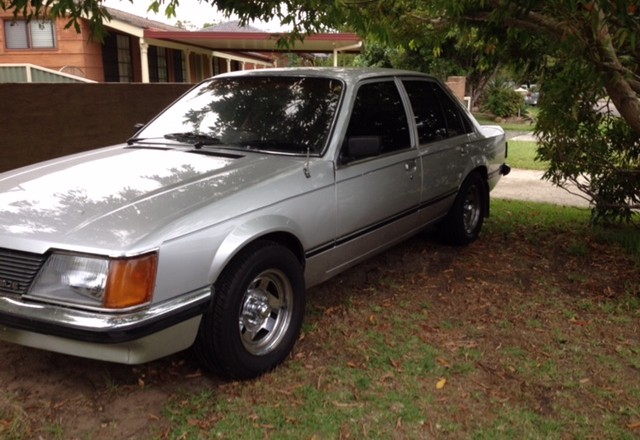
(144, 60)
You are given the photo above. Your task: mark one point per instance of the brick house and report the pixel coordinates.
(136, 49)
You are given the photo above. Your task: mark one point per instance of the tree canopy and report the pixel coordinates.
(583, 51)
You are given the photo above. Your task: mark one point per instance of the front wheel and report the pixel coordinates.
(464, 221)
(256, 312)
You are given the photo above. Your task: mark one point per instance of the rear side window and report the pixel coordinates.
(427, 111)
(437, 115)
(457, 124)
(378, 111)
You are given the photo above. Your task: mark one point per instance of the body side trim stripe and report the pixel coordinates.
(356, 234)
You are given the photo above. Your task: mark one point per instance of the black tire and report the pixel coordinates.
(256, 313)
(464, 220)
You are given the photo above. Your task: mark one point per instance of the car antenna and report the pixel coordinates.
(307, 173)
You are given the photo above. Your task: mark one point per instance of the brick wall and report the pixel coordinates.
(43, 121)
(457, 84)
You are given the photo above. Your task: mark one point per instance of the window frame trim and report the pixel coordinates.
(408, 111)
(54, 34)
(463, 113)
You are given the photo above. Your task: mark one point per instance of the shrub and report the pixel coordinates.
(501, 100)
(587, 144)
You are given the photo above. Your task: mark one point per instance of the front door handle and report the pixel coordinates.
(411, 165)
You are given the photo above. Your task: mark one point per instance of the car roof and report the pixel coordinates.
(348, 74)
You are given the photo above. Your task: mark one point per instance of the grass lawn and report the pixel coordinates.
(522, 154)
(530, 332)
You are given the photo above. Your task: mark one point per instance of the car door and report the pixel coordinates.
(378, 177)
(443, 142)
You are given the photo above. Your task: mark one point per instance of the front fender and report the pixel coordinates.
(248, 232)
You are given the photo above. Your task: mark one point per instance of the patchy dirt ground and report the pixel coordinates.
(507, 305)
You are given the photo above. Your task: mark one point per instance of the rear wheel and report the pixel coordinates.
(464, 221)
(256, 312)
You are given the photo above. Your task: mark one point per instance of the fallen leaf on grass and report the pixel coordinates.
(575, 321)
(59, 404)
(198, 373)
(441, 383)
(634, 425)
(388, 375)
(346, 405)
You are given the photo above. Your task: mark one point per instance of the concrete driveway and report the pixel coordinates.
(528, 185)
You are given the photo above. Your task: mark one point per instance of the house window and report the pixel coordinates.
(158, 70)
(125, 69)
(116, 54)
(29, 35)
(163, 71)
(198, 67)
(179, 66)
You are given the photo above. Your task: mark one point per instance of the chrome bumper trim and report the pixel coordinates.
(99, 326)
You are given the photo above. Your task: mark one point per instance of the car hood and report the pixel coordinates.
(111, 199)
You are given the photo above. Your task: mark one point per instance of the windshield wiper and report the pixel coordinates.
(275, 145)
(196, 139)
(136, 140)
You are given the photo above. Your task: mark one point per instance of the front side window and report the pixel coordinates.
(29, 35)
(378, 111)
(291, 115)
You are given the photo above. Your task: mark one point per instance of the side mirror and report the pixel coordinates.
(137, 127)
(360, 147)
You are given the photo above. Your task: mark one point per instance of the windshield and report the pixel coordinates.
(267, 113)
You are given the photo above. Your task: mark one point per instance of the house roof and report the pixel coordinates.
(230, 26)
(259, 41)
(139, 22)
(231, 36)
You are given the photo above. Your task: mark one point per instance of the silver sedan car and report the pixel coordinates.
(206, 228)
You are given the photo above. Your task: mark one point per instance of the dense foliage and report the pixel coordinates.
(502, 100)
(587, 144)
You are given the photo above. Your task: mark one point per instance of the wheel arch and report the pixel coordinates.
(277, 229)
(483, 172)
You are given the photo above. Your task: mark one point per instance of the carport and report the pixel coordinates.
(247, 47)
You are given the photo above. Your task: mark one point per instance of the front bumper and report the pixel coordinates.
(130, 337)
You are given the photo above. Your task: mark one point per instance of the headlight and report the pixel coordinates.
(96, 281)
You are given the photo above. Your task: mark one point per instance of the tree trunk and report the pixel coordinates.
(617, 85)
(624, 98)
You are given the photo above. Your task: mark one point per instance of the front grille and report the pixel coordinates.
(17, 270)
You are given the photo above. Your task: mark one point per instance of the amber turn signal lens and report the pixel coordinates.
(131, 281)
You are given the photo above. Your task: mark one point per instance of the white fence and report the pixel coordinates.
(30, 73)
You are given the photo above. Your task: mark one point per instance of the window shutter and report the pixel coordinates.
(16, 34)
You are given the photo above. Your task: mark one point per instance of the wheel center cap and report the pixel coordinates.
(256, 308)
